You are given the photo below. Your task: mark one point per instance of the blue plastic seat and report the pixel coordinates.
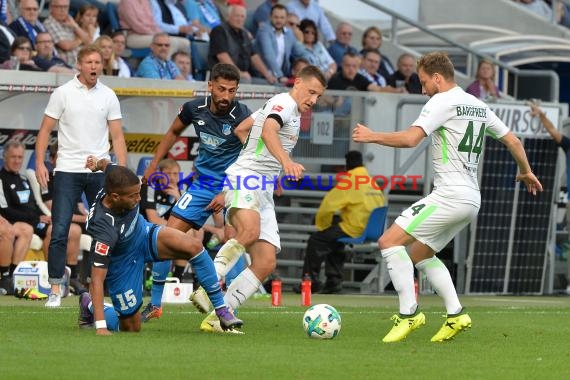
(143, 164)
(373, 230)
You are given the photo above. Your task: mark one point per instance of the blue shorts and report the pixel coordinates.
(125, 275)
(191, 207)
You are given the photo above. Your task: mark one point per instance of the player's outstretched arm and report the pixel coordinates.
(409, 138)
(536, 111)
(242, 130)
(176, 128)
(517, 151)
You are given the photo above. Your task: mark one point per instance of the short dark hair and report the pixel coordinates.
(225, 71)
(278, 6)
(179, 52)
(308, 23)
(312, 71)
(119, 177)
(353, 159)
(365, 52)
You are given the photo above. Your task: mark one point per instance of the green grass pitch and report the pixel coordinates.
(511, 338)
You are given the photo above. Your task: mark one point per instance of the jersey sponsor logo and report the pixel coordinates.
(211, 140)
(226, 129)
(101, 248)
(277, 108)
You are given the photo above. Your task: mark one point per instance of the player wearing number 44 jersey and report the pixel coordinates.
(457, 123)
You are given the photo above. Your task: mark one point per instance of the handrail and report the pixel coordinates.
(396, 17)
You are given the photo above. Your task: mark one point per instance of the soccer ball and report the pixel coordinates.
(321, 321)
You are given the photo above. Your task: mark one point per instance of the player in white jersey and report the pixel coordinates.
(250, 183)
(457, 123)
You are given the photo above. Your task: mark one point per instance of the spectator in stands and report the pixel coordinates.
(119, 43)
(293, 23)
(310, 9)
(355, 204)
(372, 39)
(170, 16)
(6, 254)
(105, 45)
(231, 43)
(136, 17)
(5, 15)
(157, 65)
(277, 44)
(204, 14)
(564, 143)
(45, 59)
(6, 39)
(369, 69)
(318, 54)
(22, 50)
(67, 35)
(484, 86)
(28, 24)
(538, 7)
(86, 113)
(75, 229)
(262, 14)
(102, 14)
(298, 65)
(86, 18)
(155, 206)
(182, 60)
(342, 44)
(406, 76)
(348, 77)
(18, 207)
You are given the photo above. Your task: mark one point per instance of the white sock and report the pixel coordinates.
(401, 272)
(227, 257)
(440, 279)
(241, 288)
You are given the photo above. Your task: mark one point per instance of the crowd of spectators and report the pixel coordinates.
(264, 47)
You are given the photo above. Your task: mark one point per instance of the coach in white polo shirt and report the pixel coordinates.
(85, 111)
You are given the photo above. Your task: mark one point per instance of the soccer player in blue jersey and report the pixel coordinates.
(122, 242)
(214, 119)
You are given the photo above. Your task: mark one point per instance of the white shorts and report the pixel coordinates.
(260, 200)
(435, 220)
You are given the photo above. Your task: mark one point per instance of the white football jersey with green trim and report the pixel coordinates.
(255, 156)
(458, 123)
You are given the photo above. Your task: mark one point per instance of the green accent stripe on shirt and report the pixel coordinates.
(259, 147)
(488, 132)
(236, 197)
(444, 156)
(424, 214)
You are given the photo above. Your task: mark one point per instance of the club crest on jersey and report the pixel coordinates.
(226, 129)
(211, 140)
(277, 108)
(101, 248)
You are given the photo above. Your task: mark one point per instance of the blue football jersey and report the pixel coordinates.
(112, 233)
(219, 147)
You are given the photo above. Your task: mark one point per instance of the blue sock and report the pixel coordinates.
(110, 316)
(206, 272)
(160, 271)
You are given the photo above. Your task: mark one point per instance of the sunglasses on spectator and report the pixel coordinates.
(162, 45)
(28, 48)
(293, 24)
